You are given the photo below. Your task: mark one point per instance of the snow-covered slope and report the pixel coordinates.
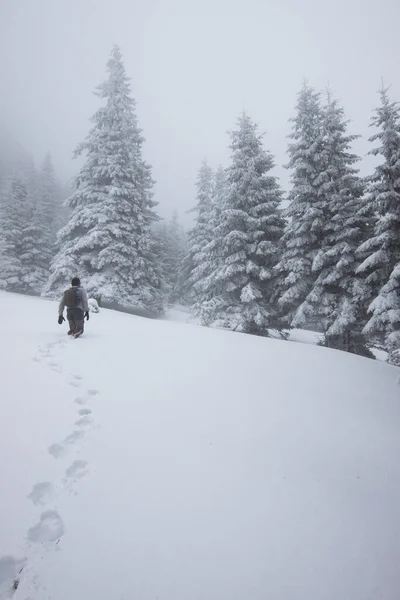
(153, 459)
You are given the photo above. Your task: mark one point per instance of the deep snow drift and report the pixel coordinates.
(160, 460)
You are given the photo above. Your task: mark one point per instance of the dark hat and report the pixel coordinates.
(75, 282)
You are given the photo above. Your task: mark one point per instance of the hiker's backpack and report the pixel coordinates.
(72, 297)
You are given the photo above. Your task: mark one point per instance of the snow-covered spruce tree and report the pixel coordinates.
(108, 241)
(3, 262)
(209, 289)
(50, 195)
(10, 234)
(160, 236)
(249, 233)
(303, 234)
(175, 251)
(64, 211)
(186, 268)
(171, 250)
(18, 226)
(337, 300)
(381, 268)
(48, 207)
(198, 237)
(20, 269)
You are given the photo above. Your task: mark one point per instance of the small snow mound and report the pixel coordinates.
(93, 305)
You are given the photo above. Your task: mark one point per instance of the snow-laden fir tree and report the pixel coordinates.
(64, 212)
(249, 233)
(10, 233)
(48, 209)
(20, 268)
(208, 289)
(108, 241)
(303, 234)
(186, 268)
(381, 268)
(175, 252)
(198, 237)
(160, 231)
(160, 235)
(19, 232)
(173, 249)
(337, 300)
(24, 266)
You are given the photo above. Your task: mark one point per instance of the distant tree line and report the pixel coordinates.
(329, 261)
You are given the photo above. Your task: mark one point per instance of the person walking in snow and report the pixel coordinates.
(75, 300)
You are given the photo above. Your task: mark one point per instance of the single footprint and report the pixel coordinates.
(84, 421)
(74, 437)
(40, 492)
(78, 469)
(49, 529)
(80, 401)
(74, 383)
(93, 392)
(84, 411)
(57, 450)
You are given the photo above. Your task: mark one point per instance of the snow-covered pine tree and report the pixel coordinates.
(199, 236)
(303, 234)
(64, 211)
(20, 269)
(160, 235)
(3, 259)
(249, 231)
(175, 251)
(381, 268)
(108, 241)
(50, 195)
(10, 234)
(47, 212)
(337, 300)
(209, 289)
(17, 219)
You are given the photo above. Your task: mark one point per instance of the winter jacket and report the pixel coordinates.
(83, 301)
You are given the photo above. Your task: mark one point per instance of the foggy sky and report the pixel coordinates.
(195, 65)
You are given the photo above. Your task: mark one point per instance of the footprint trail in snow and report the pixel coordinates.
(49, 528)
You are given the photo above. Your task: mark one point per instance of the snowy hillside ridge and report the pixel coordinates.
(156, 459)
(182, 313)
